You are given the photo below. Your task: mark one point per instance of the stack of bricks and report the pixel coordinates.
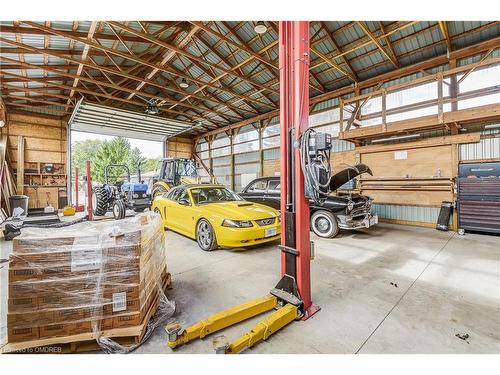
(87, 278)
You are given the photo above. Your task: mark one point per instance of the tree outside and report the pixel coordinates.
(102, 153)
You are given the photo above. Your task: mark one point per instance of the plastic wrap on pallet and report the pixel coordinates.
(92, 279)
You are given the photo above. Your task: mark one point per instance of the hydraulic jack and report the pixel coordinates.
(291, 298)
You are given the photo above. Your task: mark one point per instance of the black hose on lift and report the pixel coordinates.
(315, 163)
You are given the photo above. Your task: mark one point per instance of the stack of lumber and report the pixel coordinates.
(85, 281)
(7, 184)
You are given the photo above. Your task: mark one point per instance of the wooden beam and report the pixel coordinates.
(429, 142)
(20, 165)
(135, 59)
(338, 49)
(166, 59)
(243, 48)
(367, 31)
(86, 49)
(105, 69)
(389, 44)
(476, 114)
(135, 103)
(444, 30)
(190, 56)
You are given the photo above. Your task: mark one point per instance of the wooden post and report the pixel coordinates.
(341, 116)
(261, 147)
(90, 209)
(440, 98)
(230, 135)
(384, 110)
(20, 165)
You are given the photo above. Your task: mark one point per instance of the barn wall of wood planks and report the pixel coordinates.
(180, 147)
(37, 139)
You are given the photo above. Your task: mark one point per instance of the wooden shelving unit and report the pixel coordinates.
(44, 183)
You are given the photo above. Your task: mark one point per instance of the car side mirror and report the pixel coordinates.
(184, 202)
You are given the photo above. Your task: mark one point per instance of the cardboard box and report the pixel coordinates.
(79, 327)
(128, 320)
(22, 334)
(53, 330)
(22, 274)
(30, 319)
(20, 289)
(22, 304)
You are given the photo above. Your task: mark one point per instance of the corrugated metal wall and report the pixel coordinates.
(487, 148)
(407, 213)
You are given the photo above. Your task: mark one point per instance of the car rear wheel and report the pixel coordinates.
(324, 224)
(205, 236)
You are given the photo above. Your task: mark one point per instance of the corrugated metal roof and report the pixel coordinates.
(412, 42)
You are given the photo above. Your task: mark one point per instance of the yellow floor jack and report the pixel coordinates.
(291, 298)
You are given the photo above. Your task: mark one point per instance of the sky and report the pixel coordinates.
(149, 149)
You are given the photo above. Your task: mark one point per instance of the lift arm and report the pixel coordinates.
(223, 319)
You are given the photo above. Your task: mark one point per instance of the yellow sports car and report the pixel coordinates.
(215, 216)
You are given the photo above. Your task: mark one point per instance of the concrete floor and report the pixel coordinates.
(446, 285)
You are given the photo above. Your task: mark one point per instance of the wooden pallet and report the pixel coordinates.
(86, 342)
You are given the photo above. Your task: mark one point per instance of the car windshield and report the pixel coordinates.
(186, 168)
(204, 195)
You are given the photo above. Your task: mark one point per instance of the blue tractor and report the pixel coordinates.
(118, 195)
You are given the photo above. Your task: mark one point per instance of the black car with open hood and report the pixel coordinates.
(341, 211)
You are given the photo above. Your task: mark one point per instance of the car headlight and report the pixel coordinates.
(350, 205)
(237, 223)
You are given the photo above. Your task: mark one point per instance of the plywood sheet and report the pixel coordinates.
(420, 162)
(419, 198)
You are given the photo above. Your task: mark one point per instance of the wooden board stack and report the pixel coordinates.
(7, 184)
(85, 280)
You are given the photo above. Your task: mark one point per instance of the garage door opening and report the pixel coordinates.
(103, 150)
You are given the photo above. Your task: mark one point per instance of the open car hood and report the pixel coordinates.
(346, 175)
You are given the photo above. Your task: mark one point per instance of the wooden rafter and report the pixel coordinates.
(166, 59)
(86, 48)
(389, 44)
(443, 26)
(374, 39)
(138, 60)
(102, 69)
(180, 51)
(332, 40)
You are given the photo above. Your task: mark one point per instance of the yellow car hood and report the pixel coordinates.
(240, 210)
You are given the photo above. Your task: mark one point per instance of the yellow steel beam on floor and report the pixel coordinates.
(220, 320)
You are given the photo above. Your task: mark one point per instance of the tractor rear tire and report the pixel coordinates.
(159, 188)
(99, 200)
(119, 210)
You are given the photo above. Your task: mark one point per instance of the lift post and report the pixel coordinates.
(294, 120)
(291, 297)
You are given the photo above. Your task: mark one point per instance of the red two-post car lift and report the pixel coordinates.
(291, 297)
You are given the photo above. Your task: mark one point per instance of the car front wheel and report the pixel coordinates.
(205, 236)
(324, 224)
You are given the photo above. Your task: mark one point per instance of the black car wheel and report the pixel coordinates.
(119, 210)
(324, 224)
(205, 236)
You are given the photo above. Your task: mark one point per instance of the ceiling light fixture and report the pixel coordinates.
(260, 27)
(184, 84)
(152, 108)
